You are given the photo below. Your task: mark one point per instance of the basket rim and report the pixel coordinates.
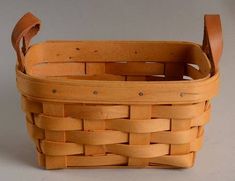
(123, 92)
(116, 41)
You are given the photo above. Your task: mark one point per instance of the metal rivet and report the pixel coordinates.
(141, 93)
(54, 91)
(95, 92)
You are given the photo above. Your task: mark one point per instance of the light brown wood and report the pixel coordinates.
(116, 103)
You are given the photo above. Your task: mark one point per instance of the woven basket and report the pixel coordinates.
(116, 103)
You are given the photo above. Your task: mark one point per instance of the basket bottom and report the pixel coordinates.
(112, 161)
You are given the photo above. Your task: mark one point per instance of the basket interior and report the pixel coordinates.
(118, 60)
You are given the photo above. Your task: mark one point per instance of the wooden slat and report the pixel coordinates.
(55, 139)
(175, 137)
(95, 68)
(197, 57)
(194, 73)
(98, 137)
(91, 125)
(59, 148)
(174, 71)
(178, 111)
(101, 160)
(96, 111)
(30, 106)
(57, 69)
(139, 151)
(184, 160)
(139, 112)
(34, 131)
(138, 126)
(57, 123)
(134, 68)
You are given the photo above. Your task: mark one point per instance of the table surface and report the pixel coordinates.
(118, 20)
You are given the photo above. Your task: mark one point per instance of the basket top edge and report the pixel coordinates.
(119, 41)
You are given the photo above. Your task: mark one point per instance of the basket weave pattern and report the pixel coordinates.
(135, 135)
(86, 107)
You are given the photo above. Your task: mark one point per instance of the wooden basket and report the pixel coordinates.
(116, 103)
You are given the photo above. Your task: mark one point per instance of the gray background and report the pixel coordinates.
(121, 20)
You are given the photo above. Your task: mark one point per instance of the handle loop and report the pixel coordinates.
(213, 40)
(25, 29)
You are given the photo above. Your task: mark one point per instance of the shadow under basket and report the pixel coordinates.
(116, 103)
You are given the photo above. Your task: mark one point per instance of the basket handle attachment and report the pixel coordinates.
(213, 40)
(25, 29)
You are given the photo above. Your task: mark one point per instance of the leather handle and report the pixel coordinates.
(25, 29)
(213, 40)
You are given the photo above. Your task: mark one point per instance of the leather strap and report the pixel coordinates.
(25, 29)
(213, 40)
